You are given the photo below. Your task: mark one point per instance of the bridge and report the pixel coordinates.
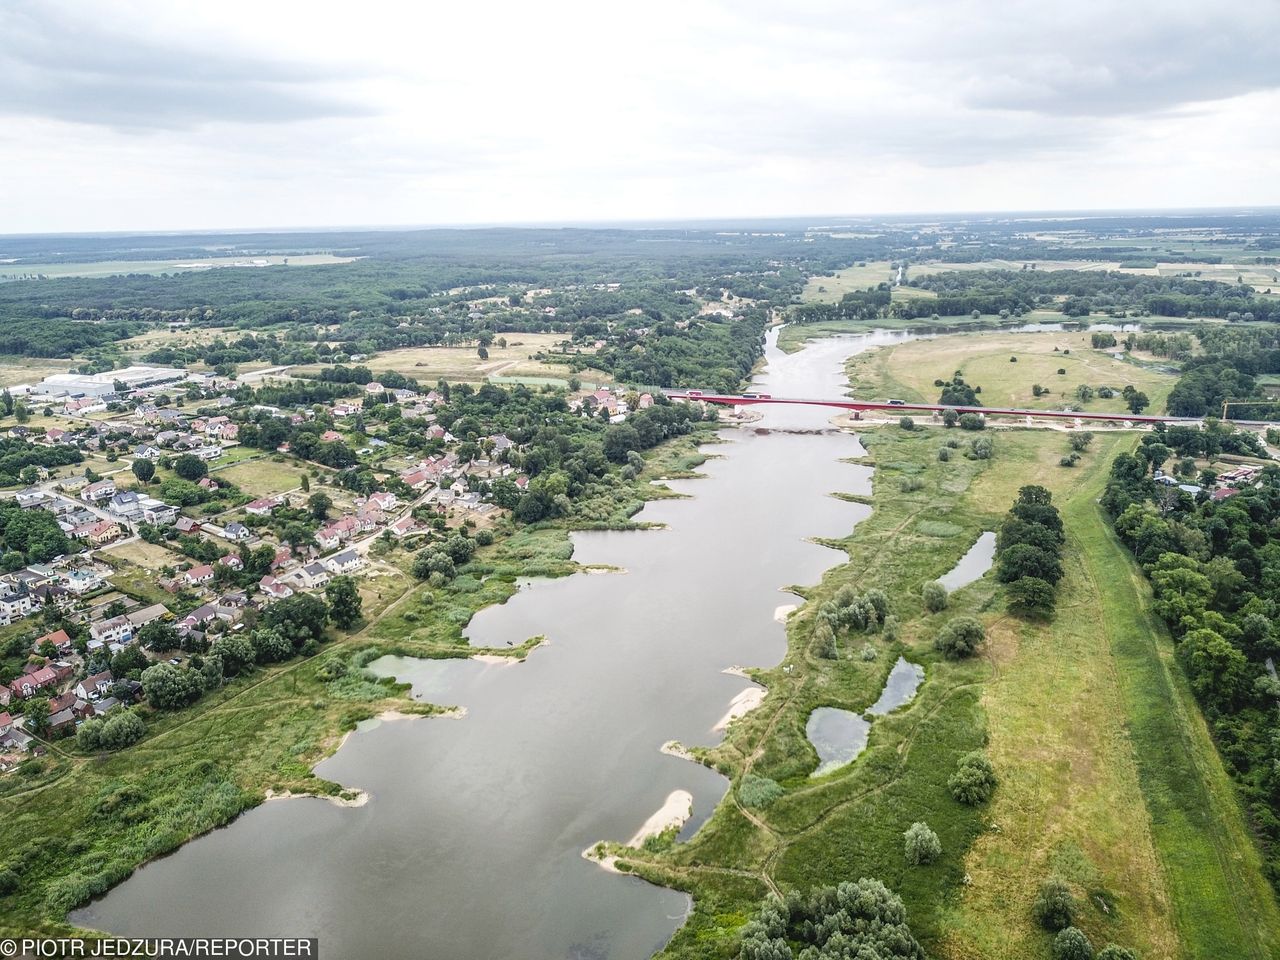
(849, 403)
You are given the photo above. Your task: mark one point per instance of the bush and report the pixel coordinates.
(960, 637)
(757, 791)
(1113, 952)
(1013, 359)
(974, 779)
(972, 421)
(910, 484)
(824, 641)
(1069, 461)
(982, 448)
(1054, 907)
(944, 454)
(1072, 944)
(934, 595)
(921, 845)
(906, 423)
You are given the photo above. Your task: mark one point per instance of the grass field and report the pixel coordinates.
(15, 370)
(908, 370)
(148, 556)
(262, 477)
(831, 289)
(429, 364)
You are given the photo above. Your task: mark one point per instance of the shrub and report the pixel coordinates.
(982, 448)
(869, 652)
(1072, 944)
(1113, 952)
(910, 484)
(890, 628)
(1013, 359)
(757, 791)
(8, 882)
(921, 845)
(824, 640)
(934, 595)
(906, 423)
(944, 454)
(1062, 371)
(949, 416)
(1069, 461)
(974, 779)
(1054, 906)
(960, 637)
(972, 421)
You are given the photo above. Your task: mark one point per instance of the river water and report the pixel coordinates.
(470, 846)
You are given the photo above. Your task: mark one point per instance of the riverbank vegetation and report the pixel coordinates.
(1075, 798)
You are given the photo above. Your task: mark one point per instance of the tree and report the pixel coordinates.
(934, 595)
(863, 919)
(305, 483)
(301, 617)
(190, 467)
(921, 845)
(972, 421)
(21, 413)
(143, 469)
(235, 651)
(906, 423)
(824, 640)
(1023, 560)
(270, 645)
(1054, 907)
(344, 601)
(1072, 944)
(1138, 402)
(619, 440)
(950, 417)
(974, 779)
(960, 637)
(168, 688)
(158, 636)
(319, 504)
(1113, 952)
(1079, 440)
(36, 713)
(1031, 597)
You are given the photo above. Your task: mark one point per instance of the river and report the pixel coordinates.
(470, 846)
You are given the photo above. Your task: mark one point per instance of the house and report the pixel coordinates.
(70, 701)
(15, 603)
(94, 686)
(345, 562)
(115, 630)
(208, 483)
(186, 525)
(275, 588)
(61, 642)
(145, 451)
(238, 532)
(29, 684)
(105, 706)
(330, 436)
(263, 506)
(416, 479)
(373, 386)
(99, 491)
(6, 723)
(98, 532)
(403, 527)
(82, 581)
(309, 576)
(1223, 493)
(32, 497)
(384, 501)
(197, 576)
(140, 618)
(201, 617)
(157, 512)
(62, 720)
(232, 561)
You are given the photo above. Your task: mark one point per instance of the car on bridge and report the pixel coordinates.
(896, 403)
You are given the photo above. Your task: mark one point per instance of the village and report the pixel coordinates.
(174, 521)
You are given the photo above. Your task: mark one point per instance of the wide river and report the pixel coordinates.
(471, 843)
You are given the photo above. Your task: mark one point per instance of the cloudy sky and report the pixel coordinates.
(147, 115)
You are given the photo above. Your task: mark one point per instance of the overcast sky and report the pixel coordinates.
(149, 115)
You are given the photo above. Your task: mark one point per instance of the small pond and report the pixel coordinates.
(840, 735)
(972, 565)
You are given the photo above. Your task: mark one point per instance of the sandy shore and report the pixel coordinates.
(359, 800)
(494, 658)
(674, 748)
(784, 611)
(673, 813)
(743, 703)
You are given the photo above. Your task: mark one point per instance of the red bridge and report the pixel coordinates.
(848, 403)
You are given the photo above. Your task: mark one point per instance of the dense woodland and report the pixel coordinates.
(1214, 567)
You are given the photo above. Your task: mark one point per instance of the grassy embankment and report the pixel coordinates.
(1105, 778)
(72, 825)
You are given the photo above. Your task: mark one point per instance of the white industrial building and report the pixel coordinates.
(104, 384)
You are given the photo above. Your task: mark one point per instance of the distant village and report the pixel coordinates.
(229, 553)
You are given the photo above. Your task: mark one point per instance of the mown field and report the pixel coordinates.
(429, 364)
(1007, 366)
(1084, 792)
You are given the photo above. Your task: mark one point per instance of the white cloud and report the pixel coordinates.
(179, 115)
